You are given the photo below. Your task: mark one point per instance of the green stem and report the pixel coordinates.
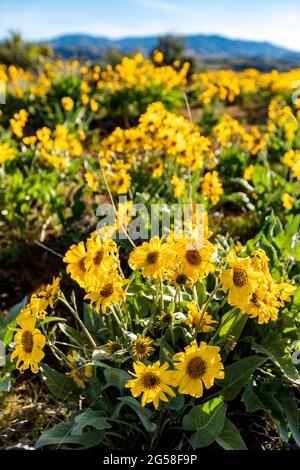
(75, 313)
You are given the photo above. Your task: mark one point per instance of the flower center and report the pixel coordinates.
(152, 257)
(107, 290)
(114, 347)
(240, 276)
(167, 319)
(82, 265)
(27, 341)
(196, 367)
(193, 257)
(181, 279)
(140, 347)
(150, 380)
(98, 257)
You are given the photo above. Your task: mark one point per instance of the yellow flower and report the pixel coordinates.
(179, 276)
(84, 99)
(44, 298)
(92, 182)
(6, 153)
(142, 348)
(67, 103)
(94, 105)
(284, 291)
(248, 173)
(260, 263)
(241, 280)
(18, 122)
(199, 319)
(152, 382)
(75, 257)
(262, 305)
(212, 187)
(29, 140)
(113, 347)
(153, 258)
(158, 56)
(106, 291)
(120, 182)
(29, 344)
(98, 259)
(178, 186)
(80, 370)
(194, 257)
(196, 366)
(166, 318)
(287, 201)
(157, 169)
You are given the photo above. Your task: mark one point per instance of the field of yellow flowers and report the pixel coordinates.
(116, 337)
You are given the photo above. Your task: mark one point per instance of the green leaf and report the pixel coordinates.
(207, 420)
(59, 384)
(53, 319)
(233, 322)
(282, 408)
(230, 438)
(91, 319)
(73, 334)
(61, 434)
(289, 406)
(237, 374)
(116, 378)
(274, 350)
(251, 400)
(201, 293)
(166, 352)
(90, 418)
(14, 312)
(261, 179)
(5, 384)
(268, 395)
(143, 413)
(175, 403)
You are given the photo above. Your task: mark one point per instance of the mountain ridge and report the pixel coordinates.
(207, 47)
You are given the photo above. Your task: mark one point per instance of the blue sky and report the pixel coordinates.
(272, 20)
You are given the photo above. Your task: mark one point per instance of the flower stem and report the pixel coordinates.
(75, 313)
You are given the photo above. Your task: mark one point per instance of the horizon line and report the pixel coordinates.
(154, 35)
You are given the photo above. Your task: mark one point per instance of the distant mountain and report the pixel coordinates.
(207, 47)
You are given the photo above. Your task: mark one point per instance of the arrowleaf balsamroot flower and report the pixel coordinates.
(106, 291)
(152, 382)
(75, 257)
(45, 298)
(29, 344)
(262, 304)
(240, 280)
(196, 366)
(202, 321)
(80, 371)
(153, 258)
(98, 258)
(142, 347)
(195, 258)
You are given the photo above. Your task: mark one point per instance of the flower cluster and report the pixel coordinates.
(251, 287)
(28, 338)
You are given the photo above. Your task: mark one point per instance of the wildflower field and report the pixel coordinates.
(119, 336)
